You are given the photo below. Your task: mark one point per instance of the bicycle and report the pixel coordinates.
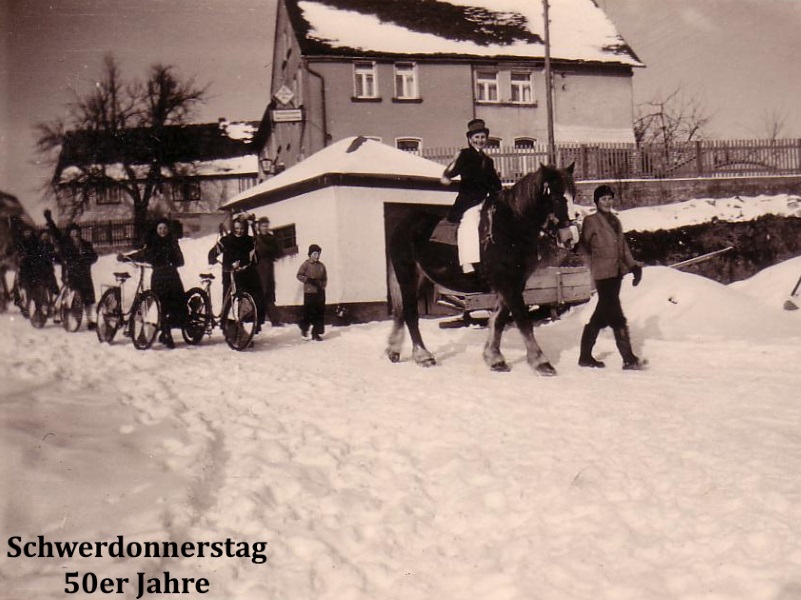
(67, 305)
(238, 318)
(142, 321)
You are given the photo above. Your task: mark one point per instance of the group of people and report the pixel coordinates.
(247, 260)
(602, 242)
(250, 259)
(37, 255)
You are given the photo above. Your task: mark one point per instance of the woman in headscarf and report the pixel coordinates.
(163, 253)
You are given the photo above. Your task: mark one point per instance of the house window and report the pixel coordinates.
(524, 143)
(364, 80)
(184, 190)
(406, 81)
(409, 144)
(286, 238)
(108, 195)
(493, 143)
(522, 88)
(487, 86)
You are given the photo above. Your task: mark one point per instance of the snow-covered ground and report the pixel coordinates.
(377, 481)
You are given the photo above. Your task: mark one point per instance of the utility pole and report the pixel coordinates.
(549, 86)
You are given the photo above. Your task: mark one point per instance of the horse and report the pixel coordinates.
(514, 224)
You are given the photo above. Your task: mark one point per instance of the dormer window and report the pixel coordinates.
(365, 80)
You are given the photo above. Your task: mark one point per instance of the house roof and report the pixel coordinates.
(355, 161)
(195, 143)
(579, 32)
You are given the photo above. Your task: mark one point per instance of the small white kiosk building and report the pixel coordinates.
(345, 198)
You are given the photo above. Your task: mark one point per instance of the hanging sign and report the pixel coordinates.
(284, 95)
(287, 115)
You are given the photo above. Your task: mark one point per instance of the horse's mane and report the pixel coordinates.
(527, 187)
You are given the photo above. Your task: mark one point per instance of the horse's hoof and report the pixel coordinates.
(500, 367)
(393, 356)
(545, 369)
(428, 362)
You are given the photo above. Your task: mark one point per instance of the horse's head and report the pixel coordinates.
(542, 197)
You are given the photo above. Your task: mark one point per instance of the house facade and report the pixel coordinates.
(211, 163)
(349, 67)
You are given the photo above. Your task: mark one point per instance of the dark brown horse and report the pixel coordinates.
(514, 224)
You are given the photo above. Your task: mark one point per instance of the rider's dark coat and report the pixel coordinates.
(478, 179)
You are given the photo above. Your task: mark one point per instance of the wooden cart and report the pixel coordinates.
(549, 292)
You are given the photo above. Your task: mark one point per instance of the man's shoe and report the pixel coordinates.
(91, 325)
(591, 362)
(304, 332)
(317, 338)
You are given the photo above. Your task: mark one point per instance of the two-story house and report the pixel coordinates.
(411, 73)
(209, 163)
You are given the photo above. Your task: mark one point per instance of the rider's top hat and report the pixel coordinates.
(476, 126)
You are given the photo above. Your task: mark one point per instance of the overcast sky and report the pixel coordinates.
(738, 56)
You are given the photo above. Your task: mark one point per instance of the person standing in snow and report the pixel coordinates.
(163, 253)
(478, 180)
(315, 279)
(610, 258)
(267, 252)
(238, 260)
(77, 256)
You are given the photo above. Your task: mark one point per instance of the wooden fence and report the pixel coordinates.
(631, 161)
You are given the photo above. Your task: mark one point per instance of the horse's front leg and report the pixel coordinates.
(492, 348)
(534, 355)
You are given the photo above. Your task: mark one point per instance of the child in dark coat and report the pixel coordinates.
(315, 278)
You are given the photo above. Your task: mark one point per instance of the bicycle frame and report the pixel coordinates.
(113, 314)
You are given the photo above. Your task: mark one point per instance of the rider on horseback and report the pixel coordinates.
(478, 179)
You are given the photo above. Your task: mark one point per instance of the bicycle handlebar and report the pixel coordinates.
(135, 263)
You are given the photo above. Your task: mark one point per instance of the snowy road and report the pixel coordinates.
(378, 481)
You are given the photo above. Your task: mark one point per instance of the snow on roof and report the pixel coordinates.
(349, 156)
(579, 31)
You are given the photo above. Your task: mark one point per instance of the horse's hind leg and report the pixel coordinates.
(403, 294)
(395, 339)
(492, 348)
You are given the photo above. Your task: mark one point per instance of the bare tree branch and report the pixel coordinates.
(121, 121)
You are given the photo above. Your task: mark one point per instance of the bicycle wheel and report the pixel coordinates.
(72, 310)
(198, 315)
(239, 320)
(39, 305)
(145, 320)
(109, 315)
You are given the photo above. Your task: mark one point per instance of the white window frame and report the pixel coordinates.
(525, 143)
(406, 87)
(522, 86)
(408, 139)
(365, 79)
(487, 86)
